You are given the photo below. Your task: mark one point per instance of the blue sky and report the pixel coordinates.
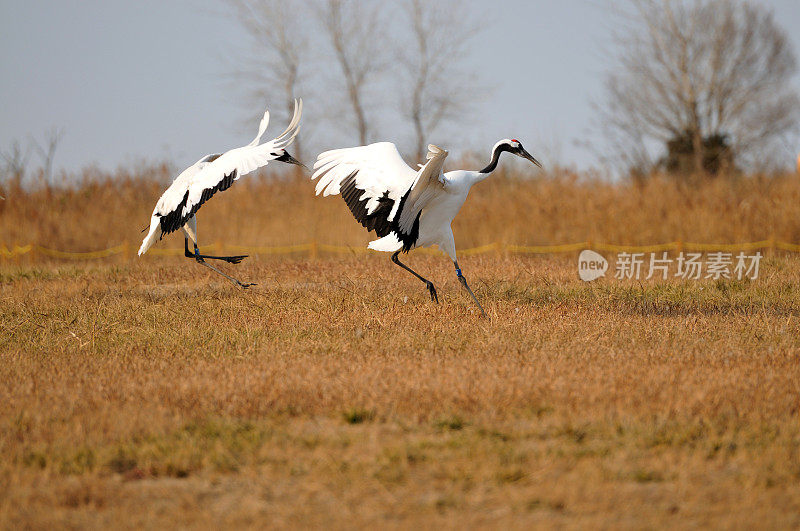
(127, 81)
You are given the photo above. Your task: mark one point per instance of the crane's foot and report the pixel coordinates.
(466, 287)
(428, 283)
(230, 259)
(244, 285)
(432, 290)
(199, 257)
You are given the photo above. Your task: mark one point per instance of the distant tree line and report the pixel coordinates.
(700, 87)
(360, 58)
(695, 87)
(14, 160)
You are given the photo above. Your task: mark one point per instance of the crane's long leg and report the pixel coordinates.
(190, 231)
(200, 260)
(428, 283)
(466, 286)
(230, 259)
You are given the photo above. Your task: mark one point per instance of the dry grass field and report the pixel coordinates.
(151, 392)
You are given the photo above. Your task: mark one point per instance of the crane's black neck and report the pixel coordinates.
(495, 158)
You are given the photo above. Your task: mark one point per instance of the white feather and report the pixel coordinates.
(261, 128)
(387, 244)
(380, 169)
(428, 184)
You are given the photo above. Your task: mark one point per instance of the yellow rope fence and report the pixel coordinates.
(315, 248)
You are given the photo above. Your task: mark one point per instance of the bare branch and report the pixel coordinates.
(433, 65)
(704, 69)
(280, 52)
(15, 162)
(357, 34)
(47, 151)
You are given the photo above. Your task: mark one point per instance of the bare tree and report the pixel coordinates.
(280, 51)
(357, 34)
(47, 151)
(433, 66)
(15, 162)
(709, 77)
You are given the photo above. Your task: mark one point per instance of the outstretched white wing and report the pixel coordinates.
(173, 195)
(170, 201)
(371, 179)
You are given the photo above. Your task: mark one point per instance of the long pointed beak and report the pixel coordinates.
(526, 155)
(293, 160)
(290, 160)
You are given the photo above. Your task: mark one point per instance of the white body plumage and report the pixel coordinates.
(370, 177)
(178, 204)
(436, 218)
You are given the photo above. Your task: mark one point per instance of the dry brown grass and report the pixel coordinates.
(506, 208)
(156, 393)
(153, 393)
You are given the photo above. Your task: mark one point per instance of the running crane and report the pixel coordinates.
(178, 205)
(406, 208)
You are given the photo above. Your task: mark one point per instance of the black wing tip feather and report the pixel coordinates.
(378, 220)
(174, 220)
(410, 239)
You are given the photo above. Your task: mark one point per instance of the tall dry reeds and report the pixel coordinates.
(510, 207)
